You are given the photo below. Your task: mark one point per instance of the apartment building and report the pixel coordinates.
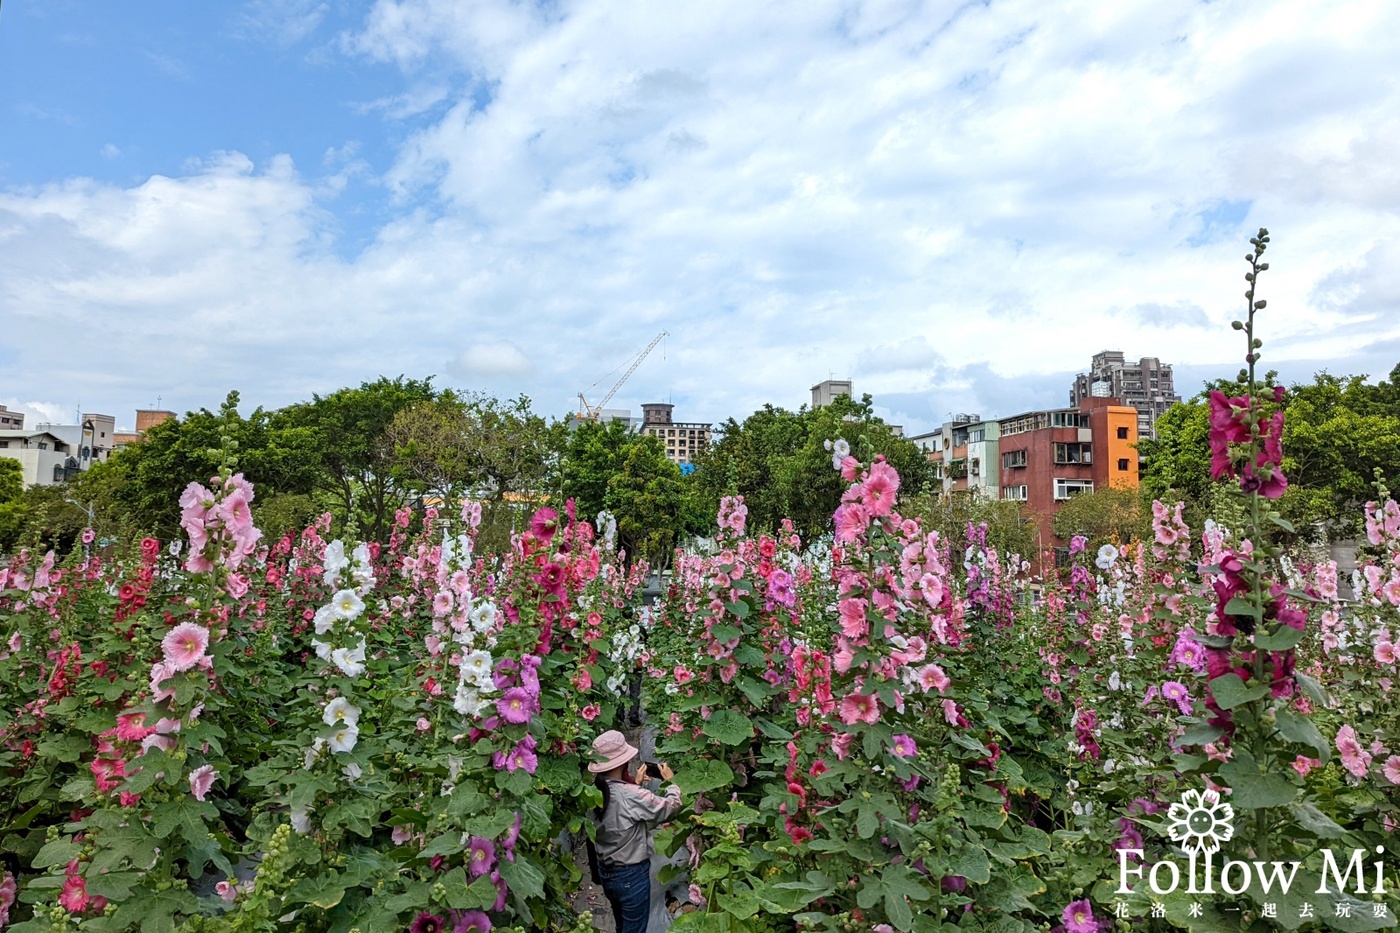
(44, 458)
(1145, 385)
(964, 452)
(1048, 457)
(682, 439)
(11, 420)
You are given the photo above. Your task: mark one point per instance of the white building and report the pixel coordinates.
(92, 440)
(44, 458)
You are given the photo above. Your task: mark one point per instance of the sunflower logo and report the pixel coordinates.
(1200, 821)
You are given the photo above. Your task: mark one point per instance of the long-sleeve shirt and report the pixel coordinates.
(624, 835)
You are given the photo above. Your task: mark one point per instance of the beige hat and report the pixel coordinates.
(612, 746)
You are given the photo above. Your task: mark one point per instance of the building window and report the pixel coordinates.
(4, 443)
(1013, 459)
(1019, 493)
(1066, 488)
(1123, 464)
(1122, 434)
(1073, 453)
(1068, 419)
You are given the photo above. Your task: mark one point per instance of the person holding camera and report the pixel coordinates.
(625, 827)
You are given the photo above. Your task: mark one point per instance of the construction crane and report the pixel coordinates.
(587, 412)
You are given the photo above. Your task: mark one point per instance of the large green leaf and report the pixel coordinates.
(1229, 691)
(699, 775)
(729, 726)
(1253, 790)
(1295, 727)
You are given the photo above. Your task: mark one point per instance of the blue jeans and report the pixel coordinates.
(628, 888)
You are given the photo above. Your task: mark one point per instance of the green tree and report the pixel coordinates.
(1114, 514)
(647, 495)
(778, 461)
(353, 459)
(140, 486)
(11, 480)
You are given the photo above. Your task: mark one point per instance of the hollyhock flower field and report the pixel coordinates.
(884, 729)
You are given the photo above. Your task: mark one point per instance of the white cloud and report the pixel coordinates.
(853, 187)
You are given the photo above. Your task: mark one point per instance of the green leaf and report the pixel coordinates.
(1285, 637)
(867, 821)
(1295, 727)
(729, 726)
(58, 852)
(772, 730)
(523, 876)
(1201, 734)
(1312, 689)
(972, 863)
(696, 776)
(476, 895)
(324, 891)
(1239, 606)
(740, 608)
(1315, 821)
(1229, 691)
(1253, 790)
(726, 632)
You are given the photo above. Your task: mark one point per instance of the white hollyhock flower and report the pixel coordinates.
(334, 561)
(352, 771)
(312, 753)
(360, 555)
(347, 605)
(324, 619)
(841, 447)
(323, 649)
(344, 738)
(341, 710)
(484, 616)
(350, 662)
(468, 701)
(476, 665)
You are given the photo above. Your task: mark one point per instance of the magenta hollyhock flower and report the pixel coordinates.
(904, 746)
(515, 705)
(481, 856)
(131, 727)
(472, 921)
(781, 589)
(1079, 918)
(523, 758)
(184, 646)
(551, 577)
(427, 923)
(201, 780)
(544, 523)
(1176, 691)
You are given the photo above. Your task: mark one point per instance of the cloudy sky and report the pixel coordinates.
(954, 204)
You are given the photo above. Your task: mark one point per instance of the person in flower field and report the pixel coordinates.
(625, 826)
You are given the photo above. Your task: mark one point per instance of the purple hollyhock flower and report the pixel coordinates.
(523, 756)
(1079, 918)
(904, 746)
(481, 856)
(472, 921)
(427, 923)
(515, 705)
(1176, 691)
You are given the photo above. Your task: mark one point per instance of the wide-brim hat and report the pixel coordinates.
(613, 748)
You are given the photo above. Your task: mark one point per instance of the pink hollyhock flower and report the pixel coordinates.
(1303, 764)
(1391, 769)
(591, 712)
(850, 469)
(423, 724)
(1385, 652)
(184, 646)
(442, 603)
(904, 746)
(131, 727)
(228, 892)
(841, 744)
(74, 898)
(880, 487)
(696, 896)
(851, 522)
(201, 780)
(858, 707)
(88, 536)
(853, 621)
(932, 677)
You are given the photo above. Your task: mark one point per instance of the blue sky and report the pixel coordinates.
(955, 204)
